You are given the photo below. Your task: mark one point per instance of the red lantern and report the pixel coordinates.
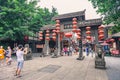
(78, 30)
(57, 21)
(74, 19)
(57, 25)
(58, 31)
(26, 38)
(40, 38)
(101, 32)
(68, 35)
(88, 32)
(47, 34)
(74, 30)
(54, 31)
(54, 34)
(47, 38)
(78, 37)
(101, 36)
(112, 40)
(54, 38)
(88, 28)
(78, 33)
(58, 28)
(88, 37)
(40, 35)
(74, 22)
(74, 26)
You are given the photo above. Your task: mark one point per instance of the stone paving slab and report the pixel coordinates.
(70, 69)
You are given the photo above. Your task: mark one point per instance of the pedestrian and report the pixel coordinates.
(20, 61)
(2, 52)
(65, 51)
(71, 50)
(87, 51)
(8, 53)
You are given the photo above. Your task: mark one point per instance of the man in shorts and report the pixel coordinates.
(20, 60)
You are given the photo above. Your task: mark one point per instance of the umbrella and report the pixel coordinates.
(104, 44)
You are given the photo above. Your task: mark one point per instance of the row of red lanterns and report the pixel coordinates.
(57, 30)
(47, 35)
(101, 32)
(88, 32)
(40, 35)
(75, 30)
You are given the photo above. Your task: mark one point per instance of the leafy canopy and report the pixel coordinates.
(110, 9)
(20, 17)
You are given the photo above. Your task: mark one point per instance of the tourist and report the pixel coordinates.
(2, 52)
(65, 51)
(20, 60)
(71, 50)
(8, 53)
(87, 51)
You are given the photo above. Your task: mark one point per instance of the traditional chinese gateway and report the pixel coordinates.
(66, 26)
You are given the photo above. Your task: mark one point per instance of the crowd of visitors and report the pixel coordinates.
(6, 59)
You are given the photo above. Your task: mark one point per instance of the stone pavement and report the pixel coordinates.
(63, 68)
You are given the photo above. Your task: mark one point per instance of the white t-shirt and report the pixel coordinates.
(19, 55)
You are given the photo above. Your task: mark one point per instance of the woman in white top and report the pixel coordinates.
(20, 60)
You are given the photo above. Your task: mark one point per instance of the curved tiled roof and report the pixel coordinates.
(69, 15)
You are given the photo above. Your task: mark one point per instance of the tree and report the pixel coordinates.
(14, 18)
(110, 10)
(21, 17)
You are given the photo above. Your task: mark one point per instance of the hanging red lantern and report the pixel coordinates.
(58, 31)
(54, 34)
(78, 33)
(74, 30)
(58, 28)
(88, 37)
(47, 34)
(88, 28)
(88, 32)
(101, 32)
(101, 36)
(57, 25)
(26, 38)
(40, 38)
(54, 38)
(74, 19)
(57, 21)
(74, 22)
(54, 31)
(78, 30)
(74, 26)
(47, 38)
(78, 37)
(40, 34)
(68, 35)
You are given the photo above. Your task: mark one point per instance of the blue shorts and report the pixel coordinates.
(20, 64)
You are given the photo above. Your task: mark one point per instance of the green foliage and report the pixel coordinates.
(110, 9)
(20, 17)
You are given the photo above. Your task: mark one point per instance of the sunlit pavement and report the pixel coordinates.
(63, 68)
